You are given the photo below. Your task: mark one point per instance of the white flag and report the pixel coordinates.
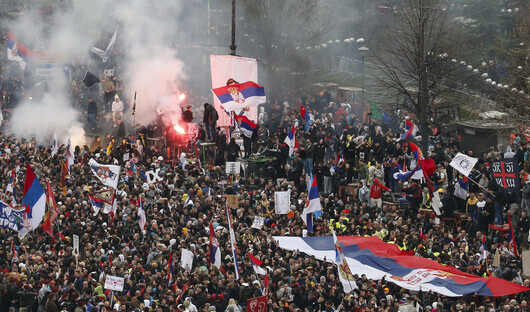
(105, 55)
(69, 154)
(463, 163)
(282, 202)
(109, 175)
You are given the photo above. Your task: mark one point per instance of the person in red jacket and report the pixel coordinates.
(375, 194)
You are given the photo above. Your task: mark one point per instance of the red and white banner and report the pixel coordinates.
(258, 304)
(241, 69)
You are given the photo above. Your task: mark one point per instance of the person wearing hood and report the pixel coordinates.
(117, 110)
(375, 194)
(209, 119)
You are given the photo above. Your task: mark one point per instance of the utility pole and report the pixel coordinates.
(423, 92)
(233, 45)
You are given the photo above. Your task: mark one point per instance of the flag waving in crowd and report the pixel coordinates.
(410, 130)
(240, 95)
(12, 188)
(291, 140)
(313, 206)
(34, 200)
(215, 251)
(256, 264)
(16, 51)
(246, 125)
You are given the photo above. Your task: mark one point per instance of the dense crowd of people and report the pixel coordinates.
(340, 148)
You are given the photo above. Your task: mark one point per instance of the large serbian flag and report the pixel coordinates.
(377, 259)
(224, 67)
(16, 51)
(240, 95)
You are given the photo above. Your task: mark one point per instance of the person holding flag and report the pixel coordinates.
(247, 128)
(291, 140)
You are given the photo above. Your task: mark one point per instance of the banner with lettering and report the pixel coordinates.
(11, 217)
(506, 174)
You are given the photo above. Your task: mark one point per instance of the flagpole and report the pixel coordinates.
(134, 114)
(111, 298)
(482, 187)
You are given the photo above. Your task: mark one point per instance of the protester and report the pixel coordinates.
(182, 200)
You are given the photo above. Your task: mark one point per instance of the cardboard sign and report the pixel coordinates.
(232, 201)
(282, 202)
(233, 167)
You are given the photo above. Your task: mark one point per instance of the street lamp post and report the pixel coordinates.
(364, 51)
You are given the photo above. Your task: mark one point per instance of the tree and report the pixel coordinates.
(517, 55)
(278, 32)
(414, 61)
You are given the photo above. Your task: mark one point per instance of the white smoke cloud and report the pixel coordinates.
(150, 65)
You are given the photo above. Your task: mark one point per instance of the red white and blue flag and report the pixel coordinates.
(246, 125)
(16, 51)
(34, 199)
(12, 188)
(256, 265)
(461, 187)
(410, 130)
(135, 169)
(215, 251)
(512, 245)
(96, 203)
(240, 95)
(313, 206)
(305, 114)
(424, 167)
(291, 140)
(377, 259)
(233, 242)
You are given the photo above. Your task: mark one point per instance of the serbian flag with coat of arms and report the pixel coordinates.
(378, 260)
(16, 51)
(345, 274)
(246, 125)
(215, 251)
(240, 95)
